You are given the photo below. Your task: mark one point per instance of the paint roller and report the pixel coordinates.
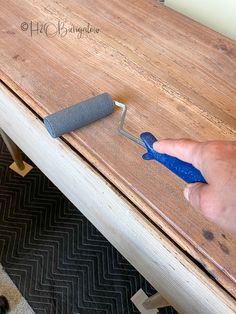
(95, 108)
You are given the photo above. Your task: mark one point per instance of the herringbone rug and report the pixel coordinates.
(58, 260)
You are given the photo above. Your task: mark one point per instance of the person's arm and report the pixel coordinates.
(217, 162)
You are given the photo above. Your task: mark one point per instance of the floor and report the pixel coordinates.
(56, 258)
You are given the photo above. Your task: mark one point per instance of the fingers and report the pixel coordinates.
(184, 149)
(194, 194)
(203, 198)
(211, 204)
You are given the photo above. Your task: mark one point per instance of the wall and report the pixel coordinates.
(216, 14)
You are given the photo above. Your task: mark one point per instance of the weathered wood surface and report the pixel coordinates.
(176, 77)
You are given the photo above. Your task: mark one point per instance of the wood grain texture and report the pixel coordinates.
(176, 77)
(165, 266)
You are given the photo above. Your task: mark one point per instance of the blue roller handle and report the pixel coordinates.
(182, 169)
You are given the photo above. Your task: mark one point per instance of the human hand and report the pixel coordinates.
(217, 162)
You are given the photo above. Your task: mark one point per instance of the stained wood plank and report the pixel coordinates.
(176, 77)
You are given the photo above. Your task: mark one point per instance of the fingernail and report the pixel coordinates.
(186, 193)
(155, 145)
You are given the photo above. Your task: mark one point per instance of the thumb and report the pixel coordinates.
(193, 193)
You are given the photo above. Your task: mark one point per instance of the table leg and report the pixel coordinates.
(148, 305)
(19, 165)
(156, 301)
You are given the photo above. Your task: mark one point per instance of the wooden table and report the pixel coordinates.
(178, 79)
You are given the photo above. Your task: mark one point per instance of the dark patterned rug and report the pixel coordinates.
(58, 260)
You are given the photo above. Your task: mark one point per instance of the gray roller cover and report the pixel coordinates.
(79, 115)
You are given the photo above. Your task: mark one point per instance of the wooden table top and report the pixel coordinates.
(177, 77)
